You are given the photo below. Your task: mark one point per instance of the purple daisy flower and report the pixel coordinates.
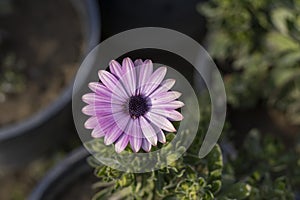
(132, 104)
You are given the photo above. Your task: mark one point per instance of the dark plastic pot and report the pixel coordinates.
(63, 176)
(24, 141)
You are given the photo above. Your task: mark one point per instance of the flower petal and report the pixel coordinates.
(168, 106)
(161, 137)
(148, 131)
(122, 120)
(164, 87)
(91, 123)
(113, 134)
(98, 132)
(146, 145)
(115, 68)
(145, 72)
(121, 143)
(160, 122)
(154, 81)
(138, 62)
(102, 109)
(165, 97)
(100, 89)
(112, 84)
(136, 136)
(172, 115)
(129, 76)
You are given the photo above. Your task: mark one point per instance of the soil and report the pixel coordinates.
(17, 185)
(46, 37)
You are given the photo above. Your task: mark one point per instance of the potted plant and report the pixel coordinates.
(39, 57)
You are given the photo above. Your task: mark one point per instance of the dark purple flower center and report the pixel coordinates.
(137, 106)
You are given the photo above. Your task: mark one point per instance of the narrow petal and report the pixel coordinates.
(146, 145)
(97, 132)
(115, 68)
(154, 80)
(160, 122)
(138, 62)
(127, 64)
(112, 135)
(164, 87)
(129, 77)
(172, 115)
(89, 110)
(102, 109)
(103, 92)
(145, 73)
(161, 137)
(112, 84)
(91, 123)
(169, 106)
(165, 97)
(136, 136)
(121, 143)
(99, 89)
(93, 98)
(148, 131)
(121, 120)
(89, 98)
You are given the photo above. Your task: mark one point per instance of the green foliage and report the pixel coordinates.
(267, 166)
(187, 178)
(259, 41)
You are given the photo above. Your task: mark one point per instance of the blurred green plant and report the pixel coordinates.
(271, 169)
(258, 41)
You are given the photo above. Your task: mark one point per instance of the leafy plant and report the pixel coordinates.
(259, 43)
(266, 165)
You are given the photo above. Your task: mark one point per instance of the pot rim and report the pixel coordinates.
(58, 175)
(92, 25)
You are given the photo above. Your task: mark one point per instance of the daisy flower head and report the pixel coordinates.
(132, 104)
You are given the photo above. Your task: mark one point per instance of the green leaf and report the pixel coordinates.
(279, 17)
(279, 43)
(238, 191)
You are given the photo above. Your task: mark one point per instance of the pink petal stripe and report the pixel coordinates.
(145, 72)
(172, 115)
(160, 122)
(106, 122)
(165, 97)
(102, 108)
(91, 123)
(121, 119)
(112, 84)
(164, 87)
(129, 76)
(138, 62)
(161, 137)
(97, 132)
(154, 81)
(121, 143)
(146, 145)
(148, 131)
(169, 106)
(100, 89)
(115, 68)
(136, 136)
(91, 98)
(112, 135)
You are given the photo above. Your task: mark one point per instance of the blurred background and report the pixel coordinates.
(255, 44)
